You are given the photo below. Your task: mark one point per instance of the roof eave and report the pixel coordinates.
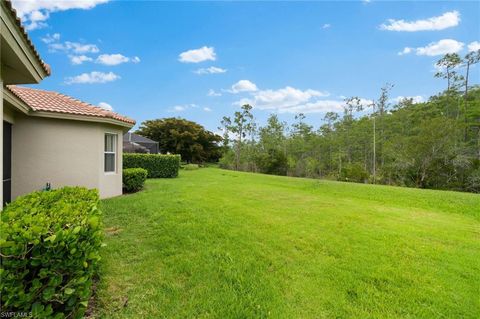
(78, 117)
(16, 37)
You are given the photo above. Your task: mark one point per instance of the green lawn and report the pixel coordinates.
(222, 244)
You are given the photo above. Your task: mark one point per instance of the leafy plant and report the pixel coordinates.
(190, 167)
(133, 179)
(353, 173)
(49, 243)
(189, 139)
(157, 165)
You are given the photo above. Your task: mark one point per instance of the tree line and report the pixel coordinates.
(432, 144)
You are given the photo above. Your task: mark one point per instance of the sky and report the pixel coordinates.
(203, 60)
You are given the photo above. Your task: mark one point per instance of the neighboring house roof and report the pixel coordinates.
(132, 147)
(18, 21)
(49, 101)
(132, 137)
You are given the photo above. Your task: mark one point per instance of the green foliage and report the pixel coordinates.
(433, 144)
(179, 136)
(228, 160)
(133, 179)
(473, 181)
(273, 161)
(241, 127)
(190, 167)
(353, 173)
(157, 165)
(50, 244)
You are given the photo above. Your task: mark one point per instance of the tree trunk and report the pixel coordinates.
(465, 129)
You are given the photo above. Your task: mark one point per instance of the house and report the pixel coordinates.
(151, 145)
(48, 137)
(132, 147)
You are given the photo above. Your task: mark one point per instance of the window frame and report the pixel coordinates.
(114, 152)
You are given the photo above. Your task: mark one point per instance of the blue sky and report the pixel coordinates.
(282, 57)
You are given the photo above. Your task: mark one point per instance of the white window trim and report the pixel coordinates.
(115, 142)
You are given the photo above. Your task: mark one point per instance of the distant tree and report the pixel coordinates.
(417, 144)
(380, 106)
(272, 158)
(300, 128)
(241, 125)
(179, 136)
(470, 59)
(447, 65)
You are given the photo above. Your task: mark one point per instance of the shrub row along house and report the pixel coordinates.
(47, 137)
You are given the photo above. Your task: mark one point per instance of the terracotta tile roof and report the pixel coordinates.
(13, 12)
(48, 101)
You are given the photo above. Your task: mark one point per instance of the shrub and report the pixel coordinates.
(354, 173)
(473, 181)
(50, 244)
(133, 179)
(272, 162)
(190, 167)
(157, 165)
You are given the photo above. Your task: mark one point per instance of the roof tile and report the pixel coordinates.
(49, 101)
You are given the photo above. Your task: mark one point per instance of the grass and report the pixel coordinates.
(223, 244)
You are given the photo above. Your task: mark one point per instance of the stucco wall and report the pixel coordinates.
(63, 153)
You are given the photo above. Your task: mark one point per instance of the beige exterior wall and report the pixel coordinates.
(62, 153)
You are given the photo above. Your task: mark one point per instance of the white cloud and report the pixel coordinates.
(79, 59)
(436, 48)
(210, 70)
(198, 55)
(291, 100)
(179, 108)
(446, 20)
(326, 26)
(115, 59)
(320, 106)
(92, 77)
(212, 92)
(51, 38)
(111, 59)
(243, 86)
(105, 106)
(474, 46)
(406, 50)
(34, 13)
(36, 20)
(415, 99)
(182, 107)
(207, 109)
(74, 47)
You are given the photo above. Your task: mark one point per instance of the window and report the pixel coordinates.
(110, 152)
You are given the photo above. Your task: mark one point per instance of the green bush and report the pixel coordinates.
(190, 167)
(49, 243)
(354, 173)
(157, 165)
(133, 179)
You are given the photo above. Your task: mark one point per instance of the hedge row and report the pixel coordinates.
(50, 244)
(133, 179)
(157, 165)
